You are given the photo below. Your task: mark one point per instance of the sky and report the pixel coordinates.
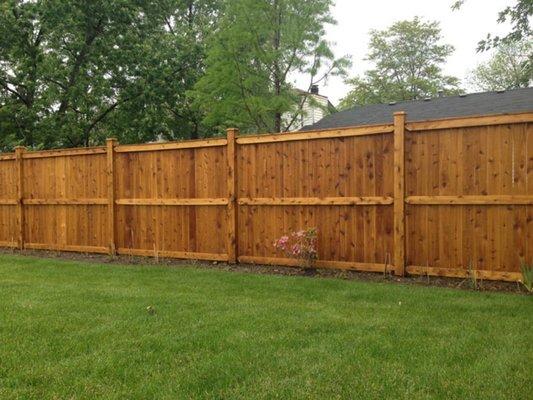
(461, 28)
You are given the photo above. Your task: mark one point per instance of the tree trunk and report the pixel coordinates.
(277, 123)
(277, 69)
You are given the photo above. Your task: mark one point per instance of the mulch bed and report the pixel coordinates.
(456, 283)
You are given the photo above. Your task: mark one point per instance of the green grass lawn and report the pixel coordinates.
(73, 330)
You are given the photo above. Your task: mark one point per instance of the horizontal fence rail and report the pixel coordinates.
(450, 197)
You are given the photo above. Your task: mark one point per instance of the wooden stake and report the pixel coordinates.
(399, 193)
(19, 151)
(231, 241)
(111, 144)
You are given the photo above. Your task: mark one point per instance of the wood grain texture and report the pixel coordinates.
(231, 181)
(19, 154)
(464, 200)
(65, 198)
(461, 273)
(472, 121)
(312, 135)
(469, 199)
(439, 198)
(290, 262)
(399, 193)
(316, 201)
(172, 201)
(8, 202)
(342, 186)
(111, 144)
(189, 144)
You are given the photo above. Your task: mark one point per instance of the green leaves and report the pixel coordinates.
(510, 67)
(259, 46)
(75, 72)
(407, 60)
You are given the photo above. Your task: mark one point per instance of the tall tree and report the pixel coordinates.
(260, 45)
(61, 70)
(510, 67)
(407, 60)
(74, 72)
(175, 60)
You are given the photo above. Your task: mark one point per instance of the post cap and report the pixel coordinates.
(400, 113)
(232, 131)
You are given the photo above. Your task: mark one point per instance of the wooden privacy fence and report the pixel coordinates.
(434, 197)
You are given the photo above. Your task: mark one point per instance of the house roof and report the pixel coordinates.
(500, 102)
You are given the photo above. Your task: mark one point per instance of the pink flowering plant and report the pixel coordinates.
(301, 245)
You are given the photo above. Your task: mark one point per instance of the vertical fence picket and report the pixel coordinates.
(231, 155)
(19, 154)
(111, 231)
(399, 193)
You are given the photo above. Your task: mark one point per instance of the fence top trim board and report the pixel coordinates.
(186, 144)
(360, 130)
(65, 152)
(476, 120)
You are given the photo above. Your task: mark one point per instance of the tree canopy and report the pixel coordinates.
(74, 72)
(511, 67)
(407, 59)
(259, 45)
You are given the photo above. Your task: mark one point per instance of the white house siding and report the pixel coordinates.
(311, 114)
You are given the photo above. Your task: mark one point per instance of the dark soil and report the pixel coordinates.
(456, 283)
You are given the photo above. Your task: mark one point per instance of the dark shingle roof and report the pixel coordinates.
(509, 101)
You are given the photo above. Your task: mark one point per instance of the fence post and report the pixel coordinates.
(111, 143)
(399, 192)
(19, 152)
(231, 154)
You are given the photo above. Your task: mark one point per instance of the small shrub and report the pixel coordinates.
(301, 245)
(527, 275)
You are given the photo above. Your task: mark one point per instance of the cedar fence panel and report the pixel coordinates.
(64, 200)
(8, 201)
(341, 185)
(469, 199)
(435, 197)
(172, 202)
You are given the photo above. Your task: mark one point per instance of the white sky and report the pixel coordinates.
(462, 29)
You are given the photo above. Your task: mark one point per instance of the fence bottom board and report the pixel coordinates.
(68, 247)
(462, 273)
(288, 262)
(172, 254)
(345, 265)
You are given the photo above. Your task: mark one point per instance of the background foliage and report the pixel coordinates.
(73, 73)
(408, 58)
